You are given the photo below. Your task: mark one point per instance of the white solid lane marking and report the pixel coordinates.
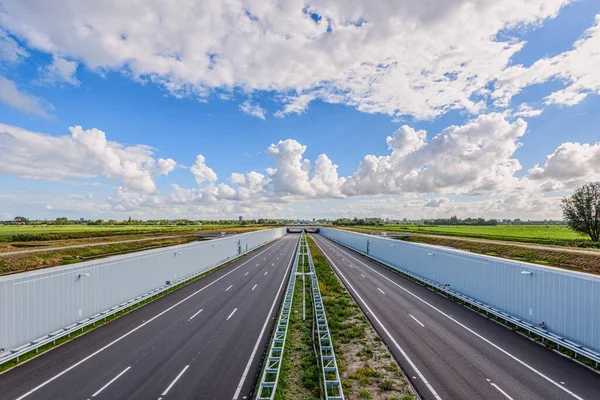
(418, 322)
(175, 381)
(254, 287)
(231, 315)
(502, 391)
(381, 290)
(472, 331)
(400, 349)
(266, 272)
(41, 385)
(110, 382)
(192, 317)
(230, 286)
(262, 332)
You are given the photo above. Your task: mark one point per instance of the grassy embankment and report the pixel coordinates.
(366, 366)
(30, 261)
(557, 258)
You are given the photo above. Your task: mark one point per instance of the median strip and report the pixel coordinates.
(366, 367)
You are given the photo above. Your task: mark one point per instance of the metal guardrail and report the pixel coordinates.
(270, 377)
(16, 353)
(530, 328)
(332, 383)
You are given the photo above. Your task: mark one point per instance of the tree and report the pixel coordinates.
(22, 220)
(582, 210)
(62, 221)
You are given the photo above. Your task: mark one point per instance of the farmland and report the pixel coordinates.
(109, 230)
(29, 247)
(547, 245)
(35, 233)
(544, 234)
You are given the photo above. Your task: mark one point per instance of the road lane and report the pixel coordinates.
(159, 339)
(460, 353)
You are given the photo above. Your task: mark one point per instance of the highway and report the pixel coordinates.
(203, 341)
(448, 351)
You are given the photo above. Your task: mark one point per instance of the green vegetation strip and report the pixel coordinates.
(62, 340)
(367, 369)
(299, 376)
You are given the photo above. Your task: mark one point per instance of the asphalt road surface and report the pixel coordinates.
(203, 341)
(448, 351)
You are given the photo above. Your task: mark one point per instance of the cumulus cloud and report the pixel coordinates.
(417, 58)
(474, 158)
(15, 98)
(60, 70)
(253, 109)
(83, 154)
(291, 174)
(437, 202)
(201, 172)
(569, 166)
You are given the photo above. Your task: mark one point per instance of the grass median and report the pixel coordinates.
(367, 369)
(299, 375)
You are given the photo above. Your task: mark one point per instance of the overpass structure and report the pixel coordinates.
(302, 228)
(208, 339)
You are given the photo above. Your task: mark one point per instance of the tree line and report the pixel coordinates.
(19, 220)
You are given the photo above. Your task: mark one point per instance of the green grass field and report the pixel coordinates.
(39, 229)
(524, 233)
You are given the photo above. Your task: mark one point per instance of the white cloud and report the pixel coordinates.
(417, 58)
(296, 105)
(578, 68)
(291, 174)
(471, 159)
(526, 111)
(60, 70)
(253, 109)
(13, 97)
(475, 158)
(83, 154)
(201, 172)
(570, 165)
(10, 51)
(437, 202)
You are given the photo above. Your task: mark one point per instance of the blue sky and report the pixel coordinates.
(496, 98)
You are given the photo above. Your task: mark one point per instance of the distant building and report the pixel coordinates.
(241, 218)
